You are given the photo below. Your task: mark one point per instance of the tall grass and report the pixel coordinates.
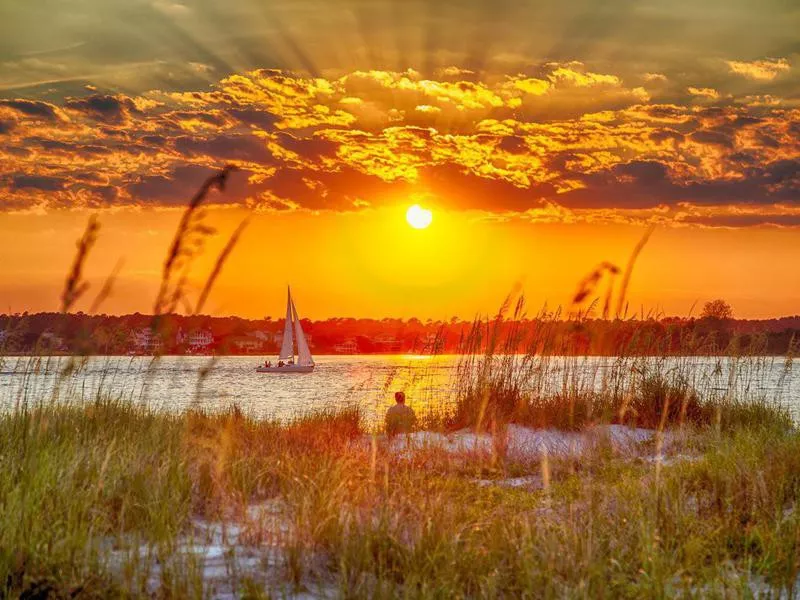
(529, 372)
(98, 500)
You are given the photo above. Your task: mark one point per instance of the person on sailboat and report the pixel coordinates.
(400, 418)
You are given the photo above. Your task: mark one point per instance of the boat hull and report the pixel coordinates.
(286, 369)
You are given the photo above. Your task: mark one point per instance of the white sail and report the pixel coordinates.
(303, 353)
(287, 346)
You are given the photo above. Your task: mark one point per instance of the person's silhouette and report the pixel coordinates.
(400, 418)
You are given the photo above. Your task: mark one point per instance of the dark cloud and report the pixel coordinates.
(262, 119)
(70, 147)
(311, 149)
(98, 195)
(6, 126)
(33, 108)
(225, 147)
(39, 182)
(719, 138)
(212, 119)
(743, 220)
(645, 172)
(173, 188)
(765, 140)
(154, 140)
(105, 108)
(784, 173)
(640, 185)
(346, 189)
(18, 152)
(513, 144)
(744, 158)
(454, 187)
(662, 135)
(177, 187)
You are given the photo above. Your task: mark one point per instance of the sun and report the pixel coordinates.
(418, 217)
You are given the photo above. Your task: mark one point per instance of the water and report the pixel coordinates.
(175, 383)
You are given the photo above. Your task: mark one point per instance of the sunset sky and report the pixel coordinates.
(545, 136)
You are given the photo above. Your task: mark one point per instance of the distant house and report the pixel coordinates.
(387, 343)
(199, 339)
(145, 340)
(247, 343)
(346, 347)
(51, 341)
(431, 343)
(269, 338)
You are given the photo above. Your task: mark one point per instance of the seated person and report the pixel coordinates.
(400, 418)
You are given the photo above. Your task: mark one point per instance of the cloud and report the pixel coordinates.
(454, 187)
(747, 220)
(225, 148)
(345, 189)
(557, 141)
(581, 78)
(33, 108)
(570, 90)
(38, 182)
(705, 92)
(176, 186)
(761, 70)
(456, 72)
(109, 109)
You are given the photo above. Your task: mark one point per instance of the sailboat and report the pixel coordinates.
(292, 332)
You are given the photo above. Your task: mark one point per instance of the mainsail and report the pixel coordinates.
(292, 333)
(287, 347)
(303, 353)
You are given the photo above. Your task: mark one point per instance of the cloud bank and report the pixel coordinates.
(559, 141)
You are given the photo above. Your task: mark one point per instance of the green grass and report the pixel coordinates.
(83, 488)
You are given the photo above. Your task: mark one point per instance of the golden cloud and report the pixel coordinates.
(705, 92)
(763, 70)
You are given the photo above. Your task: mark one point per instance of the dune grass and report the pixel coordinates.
(533, 374)
(84, 489)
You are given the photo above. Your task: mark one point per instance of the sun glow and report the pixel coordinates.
(418, 217)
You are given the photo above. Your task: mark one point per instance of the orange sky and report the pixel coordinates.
(372, 264)
(546, 136)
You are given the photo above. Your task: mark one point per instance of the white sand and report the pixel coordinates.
(528, 443)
